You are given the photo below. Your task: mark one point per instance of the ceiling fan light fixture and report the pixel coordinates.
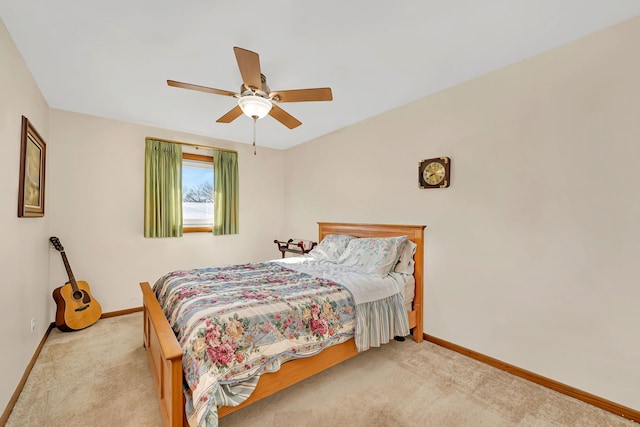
(254, 98)
(255, 106)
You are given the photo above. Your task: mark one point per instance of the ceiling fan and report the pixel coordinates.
(255, 99)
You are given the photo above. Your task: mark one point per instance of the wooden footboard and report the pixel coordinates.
(165, 359)
(165, 355)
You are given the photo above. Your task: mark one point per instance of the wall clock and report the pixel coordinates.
(434, 173)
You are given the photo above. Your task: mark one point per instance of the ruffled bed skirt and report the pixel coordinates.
(379, 321)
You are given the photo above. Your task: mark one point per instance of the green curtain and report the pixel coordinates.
(162, 189)
(225, 188)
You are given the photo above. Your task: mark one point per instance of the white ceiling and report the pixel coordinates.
(112, 58)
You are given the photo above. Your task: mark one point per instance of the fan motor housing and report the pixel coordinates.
(263, 93)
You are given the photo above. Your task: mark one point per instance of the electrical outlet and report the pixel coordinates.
(33, 324)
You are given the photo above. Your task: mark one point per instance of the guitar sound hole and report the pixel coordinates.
(77, 295)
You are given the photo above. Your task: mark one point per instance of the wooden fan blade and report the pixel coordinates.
(233, 114)
(283, 117)
(249, 65)
(200, 88)
(302, 95)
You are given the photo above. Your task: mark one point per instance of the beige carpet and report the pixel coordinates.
(100, 377)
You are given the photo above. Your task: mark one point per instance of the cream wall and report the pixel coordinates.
(532, 253)
(24, 253)
(97, 194)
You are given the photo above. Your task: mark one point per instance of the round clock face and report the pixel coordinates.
(433, 173)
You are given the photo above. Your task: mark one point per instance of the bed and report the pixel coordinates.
(166, 355)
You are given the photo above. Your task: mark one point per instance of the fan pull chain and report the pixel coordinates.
(255, 119)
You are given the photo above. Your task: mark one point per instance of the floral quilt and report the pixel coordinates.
(236, 322)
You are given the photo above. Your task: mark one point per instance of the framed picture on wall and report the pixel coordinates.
(33, 151)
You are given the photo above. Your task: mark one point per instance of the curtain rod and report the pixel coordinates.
(190, 144)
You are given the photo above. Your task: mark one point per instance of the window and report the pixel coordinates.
(163, 190)
(197, 193)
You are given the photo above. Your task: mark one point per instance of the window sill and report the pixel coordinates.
(197, 229)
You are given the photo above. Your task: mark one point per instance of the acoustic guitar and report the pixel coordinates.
(77, 309)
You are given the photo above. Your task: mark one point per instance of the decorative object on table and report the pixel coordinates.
(255, 99)
(296, 246)
(32, 172)
(77, 308)
(434, 173)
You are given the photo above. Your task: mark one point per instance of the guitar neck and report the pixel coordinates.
(72, 278)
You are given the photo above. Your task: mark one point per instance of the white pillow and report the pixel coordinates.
(375, 256)
(405, 263)
(331, 247)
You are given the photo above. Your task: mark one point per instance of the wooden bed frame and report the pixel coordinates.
(165, 355)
